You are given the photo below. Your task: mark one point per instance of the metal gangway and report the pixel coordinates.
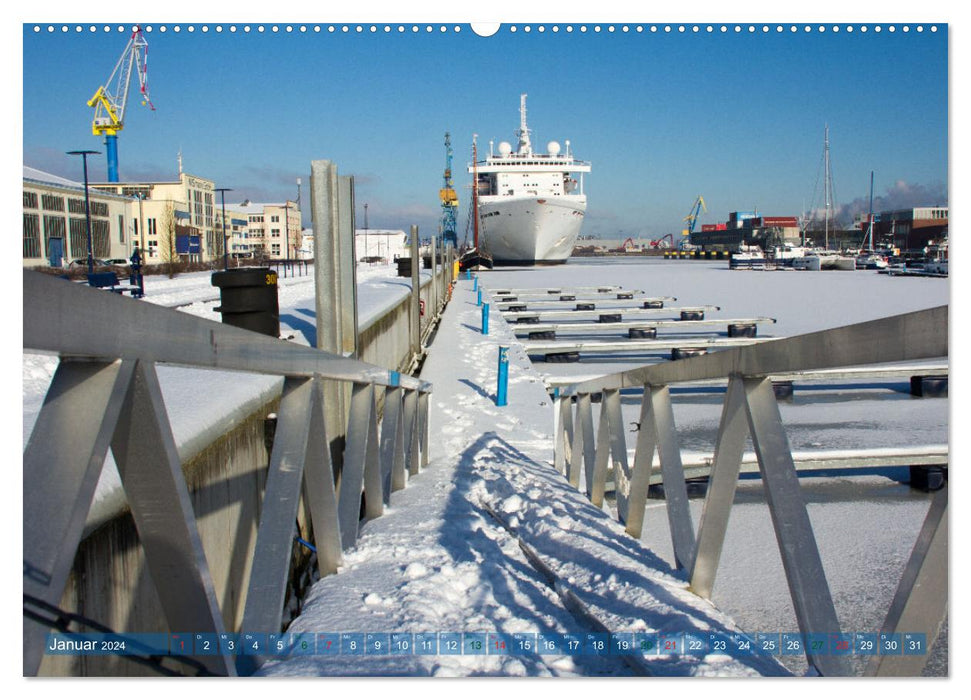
(106, 393)
(750, 409)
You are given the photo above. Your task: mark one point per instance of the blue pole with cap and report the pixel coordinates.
(502, 388)
(478, 300)
(485, 319)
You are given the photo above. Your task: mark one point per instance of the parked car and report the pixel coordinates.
(83, 262)
(117, 261)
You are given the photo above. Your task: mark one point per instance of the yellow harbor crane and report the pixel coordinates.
(692, 218)
(110, 100)
(450, 200)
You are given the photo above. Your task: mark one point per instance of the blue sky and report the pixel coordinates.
(737, 117)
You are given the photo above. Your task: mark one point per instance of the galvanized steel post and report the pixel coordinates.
(323, 202)
(432, 291)
(415, 295)
(332, 263)
(348, 265)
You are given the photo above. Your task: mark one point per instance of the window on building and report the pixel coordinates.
(275, 248)
(31, 235)
(101, 238)
(78, 242)
(30, 200)
(141, 192)
(121, 228)
(98, 209)
(151, 228)
(208, 208)
(275, 232)
(52, 202)
(275, 219)
(75, 205)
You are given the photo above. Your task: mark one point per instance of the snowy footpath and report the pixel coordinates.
(490, 539)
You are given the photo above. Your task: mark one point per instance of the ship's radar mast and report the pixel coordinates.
(525, 147)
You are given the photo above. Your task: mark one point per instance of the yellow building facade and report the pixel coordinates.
(174, 220)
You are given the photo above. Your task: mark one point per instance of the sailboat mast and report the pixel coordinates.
(475, 194)
(826, 181)
(869, 218)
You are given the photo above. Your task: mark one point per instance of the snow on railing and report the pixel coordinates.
(106, 392)
(750, 408)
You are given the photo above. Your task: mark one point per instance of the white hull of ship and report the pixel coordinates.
(530, 230)
(824, 261)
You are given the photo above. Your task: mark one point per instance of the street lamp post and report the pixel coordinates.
(222, 191)
(286, 232)
(141, 223)
(87, 204)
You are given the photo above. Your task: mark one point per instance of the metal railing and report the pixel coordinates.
(750, 408)
(105, 393)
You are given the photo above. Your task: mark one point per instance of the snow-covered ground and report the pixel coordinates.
(472, 543)
(451, 563)
(489, 539)
(865, 525)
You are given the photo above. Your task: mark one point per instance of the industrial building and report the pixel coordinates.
(167, 221)
(381, 244)
(372, 245)
(911, 229)
(55, 226)
(904, 229)
(747, 228)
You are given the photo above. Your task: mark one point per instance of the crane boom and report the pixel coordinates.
(692, 219)
(111, 99)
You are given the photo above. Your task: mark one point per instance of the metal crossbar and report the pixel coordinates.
(105, 393)
(913, 336)
(750, 410)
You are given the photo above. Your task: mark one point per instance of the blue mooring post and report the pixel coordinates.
(485, 319)
(475, 284)
(478, 301)
(503, 379)
(468, 274)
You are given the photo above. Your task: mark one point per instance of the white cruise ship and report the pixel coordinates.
(530, 205)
